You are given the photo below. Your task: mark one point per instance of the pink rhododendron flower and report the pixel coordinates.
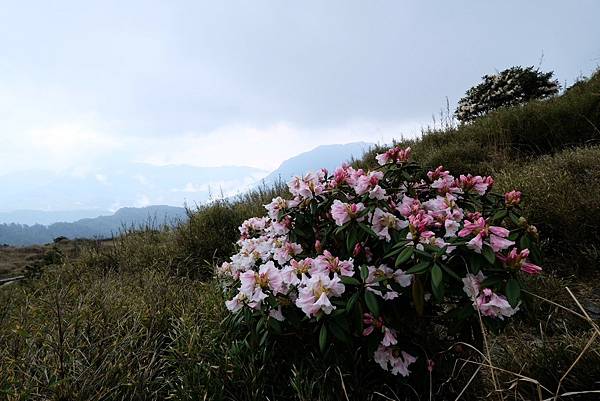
(344, 212)
(443, 182)
(479, 184)
(518, 261)
(437, 173)
(374, 283)
(268, 277)
(473, 284)
(281, 227)
(253, 225)
(383, 222)
(377, 193)
(291, 274)
(409, 206)
(328, 263)
(286, 252)
(445, 212)
(376, 324)
(277, 314)
(394, 155)
(497, 235)
(512, 198)
(276, 205)
(227, 270)
(494, 305)
(419, 226)
(307, 186)
(314, 293)
(393, 360)
(236, 303)
(340, 175)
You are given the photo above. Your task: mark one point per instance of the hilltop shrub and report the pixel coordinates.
(511, 87)
(360, 258)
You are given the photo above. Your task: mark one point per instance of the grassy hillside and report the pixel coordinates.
(142, 319)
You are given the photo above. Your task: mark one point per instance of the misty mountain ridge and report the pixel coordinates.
(91, 196)
(324, 156)
(98, 227)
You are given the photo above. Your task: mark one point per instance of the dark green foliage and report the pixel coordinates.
(511, 87)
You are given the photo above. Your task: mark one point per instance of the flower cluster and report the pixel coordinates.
(381, 245)
(510, 87)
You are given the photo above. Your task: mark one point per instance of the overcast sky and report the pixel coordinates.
(84, 83)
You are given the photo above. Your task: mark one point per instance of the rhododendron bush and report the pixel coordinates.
(357, 256)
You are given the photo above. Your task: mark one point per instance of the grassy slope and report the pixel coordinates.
(133, 322)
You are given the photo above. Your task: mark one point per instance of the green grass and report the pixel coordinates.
(142, 319)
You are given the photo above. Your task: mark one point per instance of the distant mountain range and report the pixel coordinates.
(32, 217)
(98, 227)
(325, 156)
(85, 198)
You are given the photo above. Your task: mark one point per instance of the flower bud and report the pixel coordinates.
(533, 231)
(512, 198)
(358, 248)
(318, 246)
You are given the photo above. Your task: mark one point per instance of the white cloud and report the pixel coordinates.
(143, 201)
(72, 147)
(264, 147)
(101, 178)
(81, 147)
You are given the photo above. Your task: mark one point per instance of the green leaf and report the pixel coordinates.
(339, 332)
(476, 262)
(436, 275)
(490, 281)
(275, 325)
(489, 255)
(367, 229)
(438, 292)
(500, 215)
(350, 280)
(513, 291)
(514, 218)
(351, 240)
(400, 244)
(323, 338)
(525, 242)
(372, 303)
(418, 295)
(405, 255)
(392, 253)
(450, 272)
(352, 301)
(341, 228)
(263, 339)
(419, 268)
(364, 272)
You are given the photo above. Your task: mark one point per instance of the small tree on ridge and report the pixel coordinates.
(511, 87)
